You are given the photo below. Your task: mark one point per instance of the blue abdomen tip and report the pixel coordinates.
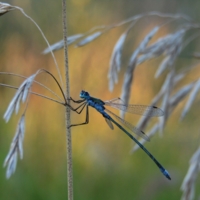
(166, 173)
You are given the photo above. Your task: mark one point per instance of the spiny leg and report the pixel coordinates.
(82, 105)
(75, 109)
(76, 101)
(86, 119)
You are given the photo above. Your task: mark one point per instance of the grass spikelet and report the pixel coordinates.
(60, 44)
(88, 39)
(115, 61)
(188, 185)
(5, 7)
(191, 99)
(20, 95)
(15, 148)
(128, 78)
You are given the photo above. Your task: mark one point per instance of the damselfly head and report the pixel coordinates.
(84, 94)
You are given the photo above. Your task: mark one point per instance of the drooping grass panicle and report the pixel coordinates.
(145, 120)
(21, 96)
(16, 148)
(95, 31)
(173, 103)
(23, 91)
(128, 77)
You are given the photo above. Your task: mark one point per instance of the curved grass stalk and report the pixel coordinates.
(21, 76)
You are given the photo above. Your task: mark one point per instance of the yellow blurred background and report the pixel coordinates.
(103, 167)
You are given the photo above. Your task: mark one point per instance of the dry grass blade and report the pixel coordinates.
(5, 7)
(88, 39)
(20, 95)
(60, 44)
(15, 148)
(128, 78)
(191, 99)
(188, 185)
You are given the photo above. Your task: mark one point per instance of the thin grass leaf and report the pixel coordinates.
(88, 39)
(173, 102)
(15, 148)
(191, 99)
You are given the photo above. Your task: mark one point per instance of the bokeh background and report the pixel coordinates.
(103, 165)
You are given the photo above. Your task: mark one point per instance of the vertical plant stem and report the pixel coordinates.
(68, 130)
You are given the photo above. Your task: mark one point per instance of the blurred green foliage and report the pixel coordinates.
(103, 167)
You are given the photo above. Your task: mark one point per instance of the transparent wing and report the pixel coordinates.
(109, 123)
(129, 126)
(151, 111)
